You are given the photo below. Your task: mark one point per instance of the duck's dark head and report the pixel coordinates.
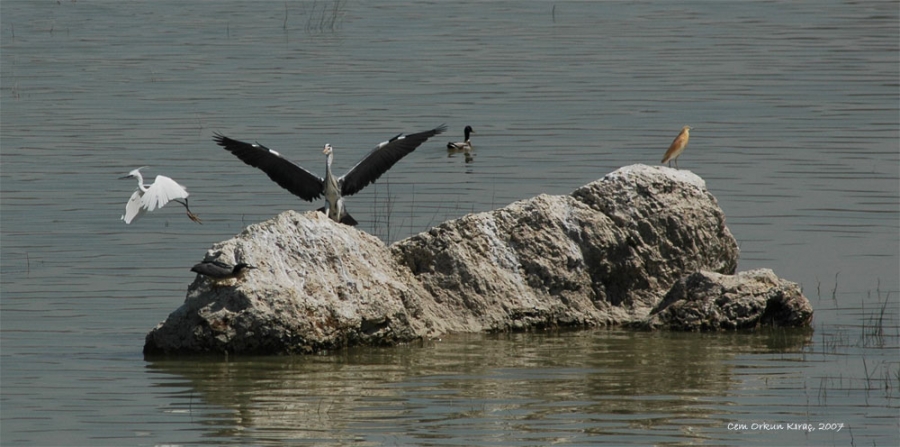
(468, 131)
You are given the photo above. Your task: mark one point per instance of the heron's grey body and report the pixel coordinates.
(334, 202)
(219, 270)
(308, 186)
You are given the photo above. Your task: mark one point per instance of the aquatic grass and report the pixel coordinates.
(896, 379)
(389, 210)
(412, 207)
(822, 394)
(326, 19)
(873, 334)
(834, 290)
(832, 341)
(381, 212)
(881, 377)
(873, 376)
(873, 340)
(385, 212)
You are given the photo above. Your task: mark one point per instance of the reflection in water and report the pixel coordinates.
(468, 154)
(623, 387)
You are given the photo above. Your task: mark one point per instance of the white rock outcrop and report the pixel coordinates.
(605, 255)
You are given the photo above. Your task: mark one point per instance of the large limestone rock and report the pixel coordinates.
(606, 254)
(603, 255)
(317, 286)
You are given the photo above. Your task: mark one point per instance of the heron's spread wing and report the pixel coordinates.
(380, 159)
(133, 208)
(287, 174)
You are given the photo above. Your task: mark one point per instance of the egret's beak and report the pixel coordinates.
(126, 176)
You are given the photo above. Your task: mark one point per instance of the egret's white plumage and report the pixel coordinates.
(153, 196)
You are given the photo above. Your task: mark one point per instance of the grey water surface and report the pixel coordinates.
(796, 115)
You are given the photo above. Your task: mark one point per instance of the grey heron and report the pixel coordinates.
(218, 270)
(462, 145)
(153, 196)
(308, 186)
(677, 146)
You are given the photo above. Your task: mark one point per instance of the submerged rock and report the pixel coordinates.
(604, 255)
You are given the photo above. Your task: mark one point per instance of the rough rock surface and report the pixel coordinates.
(707, 301)
(317, 286)
(606, 254)
(603, 255)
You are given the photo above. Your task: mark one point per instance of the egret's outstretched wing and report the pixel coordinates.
(133, 208)
(161, 192)
(287, 174)
(380, 159)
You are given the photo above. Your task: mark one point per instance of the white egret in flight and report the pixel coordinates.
(156, 195)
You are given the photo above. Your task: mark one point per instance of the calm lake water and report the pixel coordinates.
(796, 115)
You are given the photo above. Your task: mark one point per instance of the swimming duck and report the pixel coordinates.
(462, 145)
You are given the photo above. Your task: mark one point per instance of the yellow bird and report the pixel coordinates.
(677, 146)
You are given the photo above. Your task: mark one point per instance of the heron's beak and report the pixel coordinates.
(125, 177)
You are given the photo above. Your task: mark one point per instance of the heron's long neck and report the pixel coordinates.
(140, 179)
(328, 175)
